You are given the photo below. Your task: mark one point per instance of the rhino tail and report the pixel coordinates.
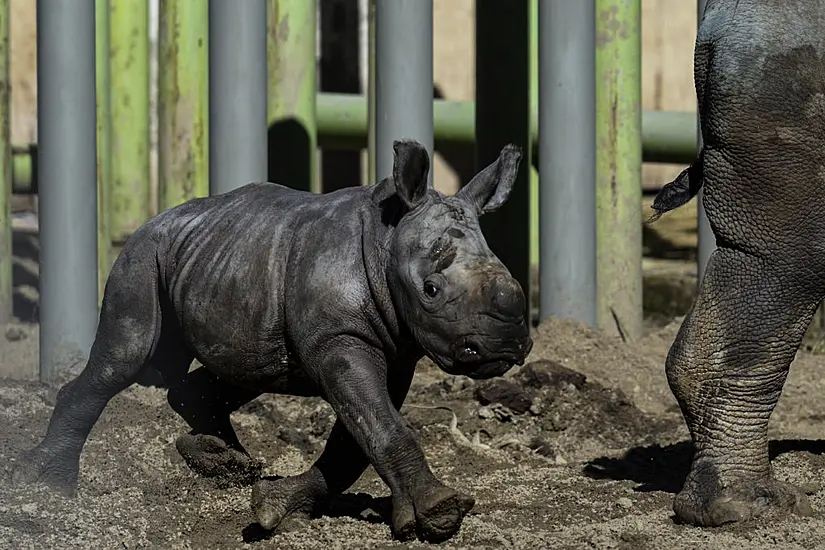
(679, 191)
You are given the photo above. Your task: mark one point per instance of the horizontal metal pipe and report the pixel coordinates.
(667, 136)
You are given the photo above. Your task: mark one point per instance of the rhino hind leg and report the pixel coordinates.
(212, 448)
(124, 340)
(727, 367)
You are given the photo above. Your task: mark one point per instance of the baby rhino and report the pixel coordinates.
(339, 295)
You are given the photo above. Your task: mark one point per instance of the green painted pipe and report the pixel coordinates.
(292, 89)
(619, 167)
(129, 78)
(667, 136)
(183, 102)
(6, 177)
(104, 143)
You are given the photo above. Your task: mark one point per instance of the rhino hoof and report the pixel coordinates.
(283, 504)
(210, 457)
(42, 466)
(438, 515)
(742, 502)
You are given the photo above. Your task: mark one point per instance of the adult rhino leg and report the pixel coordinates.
(727, 368)
(126, 334)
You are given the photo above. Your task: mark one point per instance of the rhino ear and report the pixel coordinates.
(491, 187)
(410, 171)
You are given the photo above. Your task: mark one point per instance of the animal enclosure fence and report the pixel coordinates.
(238, 101)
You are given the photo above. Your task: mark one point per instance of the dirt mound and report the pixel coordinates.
(543, 409)
(636, 368)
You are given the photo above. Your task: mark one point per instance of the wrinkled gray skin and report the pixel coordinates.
(760, 82)
(281, 291)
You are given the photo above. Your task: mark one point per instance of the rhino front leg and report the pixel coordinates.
(292, 500)
(371, 430)
(727, 368)
(283, 503)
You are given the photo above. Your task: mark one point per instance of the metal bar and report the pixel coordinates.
(667, 136)
(371, 176)
(403, 77)
(66, 128)
(292, 144)
(533, 169)
(502, 116)
(567, 174)
(104, 143)
(619, 167)
(237, 94)
(706, 238)
(131, 200)
(6, 289)
(183, 102)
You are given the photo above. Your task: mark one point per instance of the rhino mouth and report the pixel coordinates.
(470, 358)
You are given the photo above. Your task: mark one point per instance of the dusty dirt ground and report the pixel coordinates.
(583, 447)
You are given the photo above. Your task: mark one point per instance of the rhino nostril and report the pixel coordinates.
(470, 349)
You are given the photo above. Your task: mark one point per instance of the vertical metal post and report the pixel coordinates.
(104, 144)
(131, 198)
(619, 166)
(290, 51)
(371, 174)
(237, 94)
(502, 116)
(567, 169)
(6, 302)
(183, 102)
(67, 179)
(706, 240)
(403, 77)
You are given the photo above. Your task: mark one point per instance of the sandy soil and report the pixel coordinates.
(581, 448)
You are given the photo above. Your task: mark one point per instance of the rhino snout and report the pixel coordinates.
(508, 299)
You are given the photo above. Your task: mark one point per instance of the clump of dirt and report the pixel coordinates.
(545, 409)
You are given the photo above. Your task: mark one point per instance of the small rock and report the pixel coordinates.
(506, 393)
(15, 334)
(541, 447)
(370, 515)
(29, 508)
(550, 373)
(625, 502)
(455, 384)
(497, 411)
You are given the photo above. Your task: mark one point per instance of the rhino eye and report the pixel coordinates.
(430, 289)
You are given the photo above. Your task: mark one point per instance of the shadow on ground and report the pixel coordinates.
(664, 468)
